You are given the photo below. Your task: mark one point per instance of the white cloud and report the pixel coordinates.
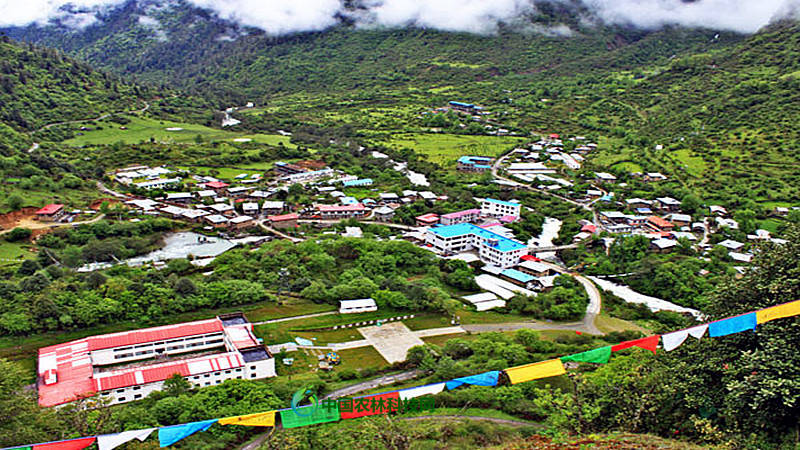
(745, 16)
(476, 16)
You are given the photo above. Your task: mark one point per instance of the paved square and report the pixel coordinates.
(391, 340)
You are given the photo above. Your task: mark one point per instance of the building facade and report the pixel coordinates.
(499, 208)
(492, 248)
(128, 366)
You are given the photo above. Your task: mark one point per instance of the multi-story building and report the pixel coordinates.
(466, 216)
(499, 208)
(474, 163)
(128, 366)
(341, 211)
(492, 248)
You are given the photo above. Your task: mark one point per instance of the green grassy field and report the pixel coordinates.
(143, 129)
(13, 250)
(445, 149)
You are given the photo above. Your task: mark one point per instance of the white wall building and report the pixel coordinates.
(499, 208)
(492, 248)
(91, 365)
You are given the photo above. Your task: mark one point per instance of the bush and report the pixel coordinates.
(18, 234)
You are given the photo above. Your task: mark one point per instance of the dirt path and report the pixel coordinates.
(305, 316)
(24, 223)
(372, 384)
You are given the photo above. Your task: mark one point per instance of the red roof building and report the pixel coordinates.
(51, 211)
(427, 220)
(589, 228)
(92, 365)
(659, 224)
(216, 185)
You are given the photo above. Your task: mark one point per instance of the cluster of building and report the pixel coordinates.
(128, 366)
(459, 232)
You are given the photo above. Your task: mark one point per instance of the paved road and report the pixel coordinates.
(595, 299)
(305, 316)
(281, 235)
(372, 384)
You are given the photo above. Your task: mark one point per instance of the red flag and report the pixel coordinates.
(372, 405)
(73, 444)
(647, 343)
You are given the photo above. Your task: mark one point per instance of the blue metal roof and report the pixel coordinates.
(358, 182)
(517, 275)
(501, 202)
(473, 159)
(504, 244)
(348, 200)
(462, 104)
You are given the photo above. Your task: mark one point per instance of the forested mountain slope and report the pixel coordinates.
(177, 42)
(40, 86)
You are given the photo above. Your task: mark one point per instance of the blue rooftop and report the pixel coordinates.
(363, 181)
(501, 202)
(504, 244)
(348, 200)
(462, 104)
(644, 210)
(473, 159)
(517, 275)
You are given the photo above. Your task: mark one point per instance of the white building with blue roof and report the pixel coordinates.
(492, 248)
(499, 208)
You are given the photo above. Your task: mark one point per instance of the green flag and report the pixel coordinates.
(310, 415)
(599, 355)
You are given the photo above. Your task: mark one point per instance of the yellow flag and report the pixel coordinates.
(535, 371)
(265, 419)
(778, 312)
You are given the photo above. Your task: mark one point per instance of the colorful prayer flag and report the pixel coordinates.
(599, 355)
(376, 404)
(264, 419)
(311, 414)
(528, 372)
(428, 389)
(671, 341)
(481, 379)
(172, 434)
(732, 325)
(778, 312)
(112, 441)
(72, 444)
(647, 343)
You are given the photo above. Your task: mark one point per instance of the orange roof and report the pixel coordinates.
(659, 222)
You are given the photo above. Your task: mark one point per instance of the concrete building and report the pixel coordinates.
(383, 214)
(332, 212)
(427, 220)
(492, 248)
(499, 208)
(357, 306)
(283, 221)
(159, 183)
(90, 365)
(241, 222)
(474, 164)
(466, 216)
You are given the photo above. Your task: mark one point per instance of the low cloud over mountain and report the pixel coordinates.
(476, 16)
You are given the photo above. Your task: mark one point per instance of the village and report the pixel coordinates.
(252, 207)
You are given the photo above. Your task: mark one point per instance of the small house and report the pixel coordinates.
(357, 306)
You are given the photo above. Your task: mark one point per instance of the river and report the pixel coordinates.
(550, 230)
(176, 246)
(631, 296)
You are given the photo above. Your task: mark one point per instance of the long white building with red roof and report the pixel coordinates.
(128, 366)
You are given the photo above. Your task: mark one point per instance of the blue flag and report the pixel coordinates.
(170, 435)
(733, 325)
(482, 379)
